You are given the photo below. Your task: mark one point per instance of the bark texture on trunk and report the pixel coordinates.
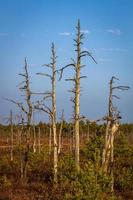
(60, 133)
(77, 97)
(54, 112)
(111, 130)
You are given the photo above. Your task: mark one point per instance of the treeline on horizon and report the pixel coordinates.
(67, 128)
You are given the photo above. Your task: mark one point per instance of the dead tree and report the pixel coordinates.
(17, 117)
(112, 127)
(27, 109)
(76, 65)
(34, 135)
(51, 111)
(60, 133)
(24, 86)
(34, 139)
(20, 124)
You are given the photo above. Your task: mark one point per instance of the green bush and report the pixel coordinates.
(123, 165)
(5, 183)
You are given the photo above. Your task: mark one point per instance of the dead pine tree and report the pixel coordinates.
(51, 111)
(76, 65)
(17, 118)
(112, 127)
(27, 109)
(50, 136)
(60, 133)
(25, 87)
(20, 128)
(34, 135)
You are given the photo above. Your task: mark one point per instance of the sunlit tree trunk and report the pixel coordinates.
(60, 134)
(34, 139)
(111, 129)
(51, 111)
(76, 64)
(54, 112)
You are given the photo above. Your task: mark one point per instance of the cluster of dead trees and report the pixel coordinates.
(28, 107)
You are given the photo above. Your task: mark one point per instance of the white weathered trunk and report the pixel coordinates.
(54, 113)
(105, 156)
(77, 100)
(60, 134)
(34, 139)
(114, 130)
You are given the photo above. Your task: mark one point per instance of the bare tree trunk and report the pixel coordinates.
(24, 86)
(114, 130)
(112, 161)
(106, 150)
(51, 111)
(60, 134)
(111, 129)
(26, 155)
(54, 112)
(105, 156)
(28, 92)
(77, 96)
(34, 139)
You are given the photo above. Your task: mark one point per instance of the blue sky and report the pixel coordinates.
(27, 28)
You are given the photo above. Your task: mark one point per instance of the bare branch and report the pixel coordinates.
(115, 96)
(43, 107)
(114, 77)
(121, 87)
(83, 77)
(62, 69)
(70, 79)
(47, 65)
(43, 74)
(18, 104)
(87, 53)
(22, 75)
